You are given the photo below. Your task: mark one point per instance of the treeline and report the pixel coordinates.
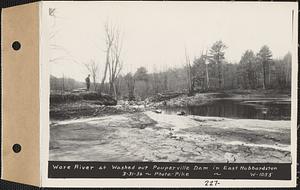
(207, 72)
(64, 84)
(210, 72)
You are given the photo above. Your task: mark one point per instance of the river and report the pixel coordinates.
(268, 109)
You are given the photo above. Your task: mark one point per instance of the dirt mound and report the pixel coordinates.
(164, 96)
(87, 109)
(68, 97)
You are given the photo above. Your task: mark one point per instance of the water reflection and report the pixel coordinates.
(258, 109)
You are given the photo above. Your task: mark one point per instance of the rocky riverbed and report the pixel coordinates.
(149, 136)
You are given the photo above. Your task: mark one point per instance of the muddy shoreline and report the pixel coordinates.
(132, 131)
(148, 136)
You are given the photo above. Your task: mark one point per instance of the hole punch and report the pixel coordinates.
(17, 148)
(16, 45)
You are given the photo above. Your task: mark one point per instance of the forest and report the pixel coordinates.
(209, 72)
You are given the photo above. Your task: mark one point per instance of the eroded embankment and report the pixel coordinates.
(238, 94)
(150, 136)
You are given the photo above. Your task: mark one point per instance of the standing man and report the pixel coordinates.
(88, 82)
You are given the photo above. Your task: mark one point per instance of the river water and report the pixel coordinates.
(268, 109)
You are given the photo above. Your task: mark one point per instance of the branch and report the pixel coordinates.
(57, 58)
(88, 67)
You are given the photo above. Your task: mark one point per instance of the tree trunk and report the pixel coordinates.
(115, 91)
(207, 77)
(220, 76)
(264, 76)
(165, 82)
(190, 82)
(269, 75)
(111, 88)
(94, 81)
(105, 70)
(103, 79)
(63, 84)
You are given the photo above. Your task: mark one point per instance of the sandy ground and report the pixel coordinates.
(148, 136)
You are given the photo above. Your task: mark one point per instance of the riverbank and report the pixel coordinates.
(204, 98)
(92, 108)
(148, 136)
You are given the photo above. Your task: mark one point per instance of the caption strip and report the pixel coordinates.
(268, 171)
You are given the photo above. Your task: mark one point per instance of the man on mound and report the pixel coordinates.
(88, 82)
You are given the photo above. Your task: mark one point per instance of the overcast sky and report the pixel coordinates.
(155, 34)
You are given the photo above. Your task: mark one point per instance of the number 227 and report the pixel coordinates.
(211, 183)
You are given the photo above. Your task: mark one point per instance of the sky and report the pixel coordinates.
(156, 34)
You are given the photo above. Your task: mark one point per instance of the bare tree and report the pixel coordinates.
(93, 67)
(114, 63)
(109, 37)
(60, 52)
(206, 69)
(189, 74)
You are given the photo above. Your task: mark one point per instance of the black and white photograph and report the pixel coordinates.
(174, 82)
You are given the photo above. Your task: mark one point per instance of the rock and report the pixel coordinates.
(143, 126)
(158, 111)
(230, 158)
(264, 111)
(180, 113)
